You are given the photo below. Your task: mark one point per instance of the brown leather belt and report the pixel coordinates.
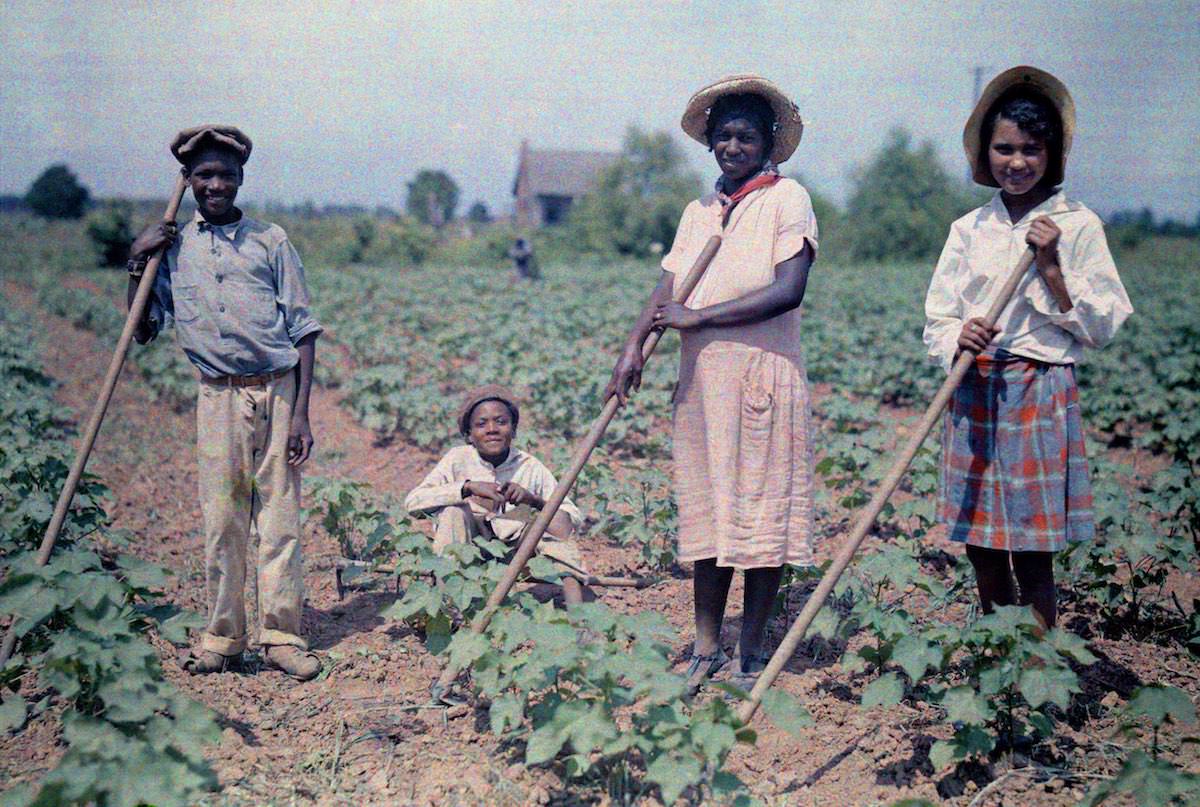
(246, 380)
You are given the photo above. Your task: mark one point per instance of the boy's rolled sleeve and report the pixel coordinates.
(161, 304)
(291, 293)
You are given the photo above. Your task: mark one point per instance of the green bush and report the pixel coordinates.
(57, 194)
(636, 203)
(432, 198)
(110, 233)
(903, 202)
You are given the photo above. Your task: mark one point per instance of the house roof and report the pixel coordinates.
(558, 172)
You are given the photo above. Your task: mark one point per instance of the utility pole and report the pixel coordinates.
(977, 72)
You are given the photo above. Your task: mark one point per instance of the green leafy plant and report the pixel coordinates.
(1013, 673)
(80, 623)
(351, 513)
(642, 516)
(1146, 774)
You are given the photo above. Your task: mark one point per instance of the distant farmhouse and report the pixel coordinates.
(548, 180)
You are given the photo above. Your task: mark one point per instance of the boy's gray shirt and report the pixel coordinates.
(236, 296)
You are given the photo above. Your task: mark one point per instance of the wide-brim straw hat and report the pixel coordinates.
(1011, 80)
(488, 392)
(788, 125)
(190, 141)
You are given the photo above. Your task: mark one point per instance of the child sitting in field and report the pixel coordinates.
(473, 486)
(1014, 483)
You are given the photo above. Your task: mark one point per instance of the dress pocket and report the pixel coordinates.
(755, 426)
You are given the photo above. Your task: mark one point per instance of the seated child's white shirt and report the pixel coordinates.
(983, 248)
(442, 486)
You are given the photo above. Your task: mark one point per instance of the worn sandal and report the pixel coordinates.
(203, 662)
(701, 668)
(747, 672)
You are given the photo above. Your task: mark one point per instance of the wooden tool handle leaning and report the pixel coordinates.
(867, 519)
(99, 409)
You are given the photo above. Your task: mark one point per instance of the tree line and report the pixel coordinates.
(901, 204)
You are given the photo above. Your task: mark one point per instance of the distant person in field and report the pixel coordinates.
(233, 288)
(1014, 477)
(524, 261)
(473, 486)
(743, 455)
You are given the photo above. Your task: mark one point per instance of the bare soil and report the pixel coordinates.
(361, 733)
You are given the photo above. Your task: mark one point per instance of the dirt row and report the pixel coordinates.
(361, 733)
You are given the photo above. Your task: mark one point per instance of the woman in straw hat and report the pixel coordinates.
(743, 460)
(1014, 482)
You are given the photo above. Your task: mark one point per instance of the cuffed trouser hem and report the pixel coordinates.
(222, 644)
(270, 637)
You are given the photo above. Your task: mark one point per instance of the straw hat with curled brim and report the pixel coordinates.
(1011, 81)
(788, 125)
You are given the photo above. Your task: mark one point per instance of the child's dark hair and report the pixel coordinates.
(751, 106)
(1035, 116)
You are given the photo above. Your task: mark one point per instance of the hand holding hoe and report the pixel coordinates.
(867, 520)
(590, 440)
(99, 410)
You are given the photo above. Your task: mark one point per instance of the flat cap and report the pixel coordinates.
(488, 392)
(190, 141)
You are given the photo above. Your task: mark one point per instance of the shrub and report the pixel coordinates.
(110, 234)
(903, 202)
(637, 201)
(57, 194)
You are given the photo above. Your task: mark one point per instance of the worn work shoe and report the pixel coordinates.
(299, 664)
(203, 662)
(701, 668)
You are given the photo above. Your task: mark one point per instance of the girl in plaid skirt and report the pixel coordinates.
(1014, 482)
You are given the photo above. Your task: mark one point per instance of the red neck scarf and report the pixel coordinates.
(765, 178)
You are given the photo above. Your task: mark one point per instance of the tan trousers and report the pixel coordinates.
(459, 523)
(246, 485)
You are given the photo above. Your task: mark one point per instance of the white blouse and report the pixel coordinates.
(985, 245)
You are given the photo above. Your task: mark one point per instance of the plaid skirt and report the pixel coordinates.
(1014, 469)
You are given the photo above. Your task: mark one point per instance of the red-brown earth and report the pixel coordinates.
(360, 733)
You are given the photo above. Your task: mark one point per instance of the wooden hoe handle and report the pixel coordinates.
(867, 519)
(538, 528)
(100, 408)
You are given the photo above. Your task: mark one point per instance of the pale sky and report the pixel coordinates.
(346, 102)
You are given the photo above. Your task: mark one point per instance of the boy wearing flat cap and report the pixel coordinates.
(234, 290)
(474, 485)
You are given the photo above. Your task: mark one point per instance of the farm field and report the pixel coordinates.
(905, 693)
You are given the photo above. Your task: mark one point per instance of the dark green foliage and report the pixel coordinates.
(365, 233)
(1148, 777)
(636, 203)
(110, 233)
(57, 194)
(432, 198)
(903, 203)
(478, 213)
(80, 626)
